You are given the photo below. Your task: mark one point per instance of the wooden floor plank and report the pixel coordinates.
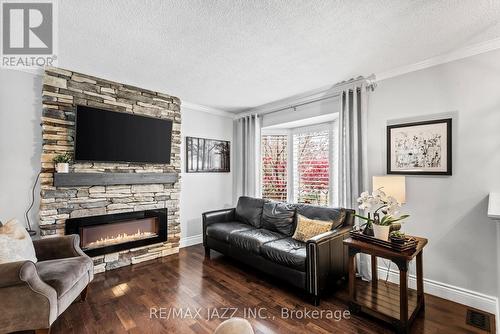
(120, 301)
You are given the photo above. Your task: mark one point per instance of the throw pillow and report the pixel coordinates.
(308, 228)
(15, 243)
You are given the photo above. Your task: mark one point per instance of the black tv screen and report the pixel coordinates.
(108, 136)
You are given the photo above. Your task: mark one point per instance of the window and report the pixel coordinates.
(311, 167)
(297, 164)
(274, 167)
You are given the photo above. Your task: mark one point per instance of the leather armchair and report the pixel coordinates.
(34, 295)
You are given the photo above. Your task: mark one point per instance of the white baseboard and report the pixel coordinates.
(190, 241)
(446, 291)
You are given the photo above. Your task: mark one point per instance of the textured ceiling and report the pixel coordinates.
(237, 54)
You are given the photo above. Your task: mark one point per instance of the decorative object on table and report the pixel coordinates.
(420, 148)
(368, 227)
(207, 155)
(407, 244)
(379, 202)
(393, 185)
(398, 237)
(62, 162)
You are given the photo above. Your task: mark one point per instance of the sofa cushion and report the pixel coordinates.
(278, 217)
(251, 240)
(221, 231)
(249, 210)
(288, 252)
(62, 274)
(337, 215)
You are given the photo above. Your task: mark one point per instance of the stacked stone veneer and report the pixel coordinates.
(62, 91)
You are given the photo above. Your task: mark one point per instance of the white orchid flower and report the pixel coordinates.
(380, 195)
(365, 206)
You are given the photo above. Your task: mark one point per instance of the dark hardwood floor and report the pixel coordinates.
(120, 301)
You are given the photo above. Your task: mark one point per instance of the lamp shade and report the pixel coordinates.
(394, 186)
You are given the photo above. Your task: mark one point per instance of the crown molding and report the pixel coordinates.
(462, 53)
(469, 51)
(206, 109)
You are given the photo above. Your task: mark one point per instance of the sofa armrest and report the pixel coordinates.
(327, 236)
(326, 259)
(218, 216)
(14, 273)
(58, 247)
(27, 301)
(24, 273)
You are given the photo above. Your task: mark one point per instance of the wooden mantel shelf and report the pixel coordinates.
(106, 179)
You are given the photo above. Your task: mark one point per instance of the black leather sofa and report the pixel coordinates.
(259, 233)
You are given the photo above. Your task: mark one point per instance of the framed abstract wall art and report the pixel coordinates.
(207, 155)
(420, 148)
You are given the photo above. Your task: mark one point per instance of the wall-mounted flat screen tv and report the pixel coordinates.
(108, 136)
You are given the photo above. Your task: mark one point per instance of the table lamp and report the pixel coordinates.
(392, 185)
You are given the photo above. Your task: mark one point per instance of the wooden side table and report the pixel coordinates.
(380, 299)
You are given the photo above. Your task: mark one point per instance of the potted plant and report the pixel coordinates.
(398, 237)
(62, 162)
(383, 204)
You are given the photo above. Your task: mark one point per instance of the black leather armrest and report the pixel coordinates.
(218, 216)
(327, 236)
(327, 259)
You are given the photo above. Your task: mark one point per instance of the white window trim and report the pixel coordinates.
(332, 128)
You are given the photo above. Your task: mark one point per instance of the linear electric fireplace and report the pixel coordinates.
(112, 233)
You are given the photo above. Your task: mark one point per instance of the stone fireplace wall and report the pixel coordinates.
(63, 90)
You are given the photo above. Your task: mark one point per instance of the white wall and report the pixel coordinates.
(20, 143)
(451, 211)
(203, 191)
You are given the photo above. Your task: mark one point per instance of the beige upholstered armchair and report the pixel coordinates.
(33, 295)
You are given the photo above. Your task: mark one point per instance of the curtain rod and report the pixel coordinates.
(294, 106)
(337, 89)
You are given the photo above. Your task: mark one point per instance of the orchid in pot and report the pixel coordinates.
(379, 203)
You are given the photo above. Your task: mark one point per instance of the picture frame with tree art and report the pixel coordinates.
(207, 155)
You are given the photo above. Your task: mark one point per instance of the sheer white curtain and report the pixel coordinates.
(352, 150)
(246, 150)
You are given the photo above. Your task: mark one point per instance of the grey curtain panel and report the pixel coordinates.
(352, 150)
(246, 150)
(352, 145)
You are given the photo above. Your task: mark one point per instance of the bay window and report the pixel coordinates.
(298, 164)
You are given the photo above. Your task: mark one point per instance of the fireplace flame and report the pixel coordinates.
(120, 238)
